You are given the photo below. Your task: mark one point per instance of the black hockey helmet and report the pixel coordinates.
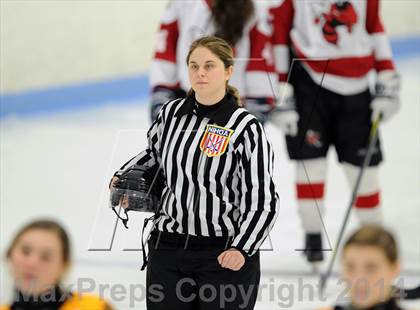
(139, 188)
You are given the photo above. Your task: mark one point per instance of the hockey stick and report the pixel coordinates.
(373, 138)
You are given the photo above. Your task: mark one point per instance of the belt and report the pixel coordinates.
(191, 241)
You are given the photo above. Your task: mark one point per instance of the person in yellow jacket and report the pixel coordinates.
(39, 256)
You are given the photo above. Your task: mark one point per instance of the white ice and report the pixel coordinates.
(59, 166)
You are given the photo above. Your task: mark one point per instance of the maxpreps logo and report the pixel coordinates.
(215, 140)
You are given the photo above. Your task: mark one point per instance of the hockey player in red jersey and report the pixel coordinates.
(325, 99)
(240, 23)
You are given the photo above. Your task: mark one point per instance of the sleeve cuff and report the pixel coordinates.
(245, 254)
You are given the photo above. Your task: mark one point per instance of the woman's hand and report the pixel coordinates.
(231, 259)
(113, 181)
(124, 199)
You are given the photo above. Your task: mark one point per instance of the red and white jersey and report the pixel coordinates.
(185, 21)
(343, 39)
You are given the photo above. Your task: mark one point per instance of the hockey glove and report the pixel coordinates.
(285, 115)
(259, 107)
(386, 102)
(160, 95)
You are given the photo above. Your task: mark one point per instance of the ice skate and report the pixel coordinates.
(313, 251)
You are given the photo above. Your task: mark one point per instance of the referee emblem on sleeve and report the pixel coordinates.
(215, 140)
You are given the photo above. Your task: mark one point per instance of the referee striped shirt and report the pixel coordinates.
(218, 171)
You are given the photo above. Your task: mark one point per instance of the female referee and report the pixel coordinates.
(220, 201)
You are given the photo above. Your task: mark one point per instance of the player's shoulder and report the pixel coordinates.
(171, 12)
(85, 302)
(273, 4)
(80, 302)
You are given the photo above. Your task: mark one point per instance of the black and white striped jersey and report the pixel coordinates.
(218, 171)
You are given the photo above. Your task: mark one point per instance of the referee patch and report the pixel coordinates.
(215, 140)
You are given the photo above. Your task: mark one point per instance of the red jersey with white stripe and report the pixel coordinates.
(185, 21)
(343, 39)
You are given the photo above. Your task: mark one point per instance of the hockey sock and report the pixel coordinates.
(310, 180)
(367, 204)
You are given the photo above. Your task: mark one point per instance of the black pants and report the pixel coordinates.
(327, 118)
(192, 278)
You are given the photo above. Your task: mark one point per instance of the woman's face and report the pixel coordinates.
(207, 73)
(368, 273)
(36, 261)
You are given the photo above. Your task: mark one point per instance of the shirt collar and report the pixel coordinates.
(220, 116)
